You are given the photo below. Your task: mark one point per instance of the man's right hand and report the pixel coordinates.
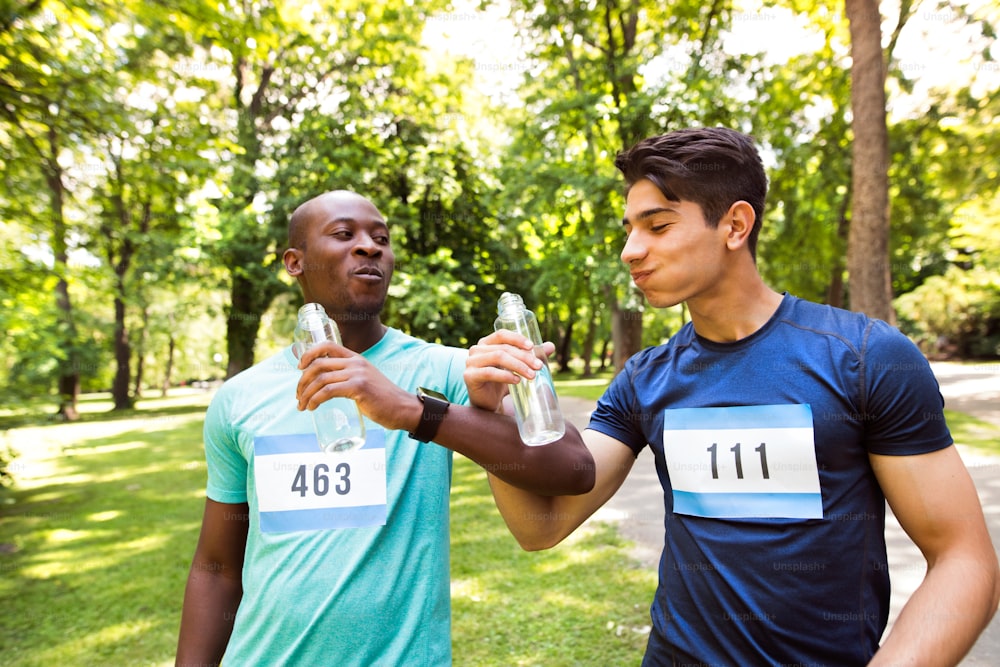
(501, 359)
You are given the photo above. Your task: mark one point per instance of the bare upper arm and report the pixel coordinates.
(935, 501)
(223, 538)
(613, 460)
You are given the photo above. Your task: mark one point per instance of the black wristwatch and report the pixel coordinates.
(435, 406)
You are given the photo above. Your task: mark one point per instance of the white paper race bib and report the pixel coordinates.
(743, 461)
(299, 487)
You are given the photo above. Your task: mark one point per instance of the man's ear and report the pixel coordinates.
(293, 262)
(739, 219)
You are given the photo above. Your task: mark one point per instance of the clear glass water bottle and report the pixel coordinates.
(338, 422)
(539, 419)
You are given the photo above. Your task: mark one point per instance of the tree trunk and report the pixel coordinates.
(565, 346)
(835, 290)
(588, 342)
(68, 383)
(243, 324)
(168, 371)
(120, 389)
(606, 343)
(868, 239)
(140, 356)
(123, 356)
(626, 332)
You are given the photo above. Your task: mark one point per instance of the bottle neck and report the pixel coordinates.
(315, 325)
(510, 304)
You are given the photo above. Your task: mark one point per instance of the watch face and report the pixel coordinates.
(421, 392)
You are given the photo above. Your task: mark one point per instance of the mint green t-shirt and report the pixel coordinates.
(345, 568)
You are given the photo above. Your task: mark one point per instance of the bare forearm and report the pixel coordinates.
(563, 467)
(536, 522)
(943, 618)
(210, 603)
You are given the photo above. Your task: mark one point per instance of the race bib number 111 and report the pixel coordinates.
(743, 461)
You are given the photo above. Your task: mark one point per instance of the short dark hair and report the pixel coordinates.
(713, 167)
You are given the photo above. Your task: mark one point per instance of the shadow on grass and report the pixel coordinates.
(99, 540)
(584, 602)
(100, 548)
(36, 417)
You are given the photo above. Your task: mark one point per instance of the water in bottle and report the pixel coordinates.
(536, 407)
(338, 422)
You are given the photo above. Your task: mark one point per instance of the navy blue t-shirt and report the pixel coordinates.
(774, 548)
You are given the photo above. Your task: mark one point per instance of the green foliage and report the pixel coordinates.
(803, 241)
(955, 314)
(152, 154)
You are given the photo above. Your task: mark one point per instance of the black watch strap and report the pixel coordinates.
(435, 407)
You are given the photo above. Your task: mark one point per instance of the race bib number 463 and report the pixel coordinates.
(743, 461)
(300, 487)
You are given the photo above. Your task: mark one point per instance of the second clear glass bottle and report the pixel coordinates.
(539, 419)
(338, 421)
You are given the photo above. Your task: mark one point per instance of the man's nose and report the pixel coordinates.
(633, 250)
(366, 245)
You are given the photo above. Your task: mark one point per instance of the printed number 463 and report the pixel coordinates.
(321, 480)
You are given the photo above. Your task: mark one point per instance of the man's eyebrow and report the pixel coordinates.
(355, 221)
(648, 213)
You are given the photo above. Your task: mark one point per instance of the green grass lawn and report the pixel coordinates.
(591, 388)
(976, 433)
(96, 539)
(97, 536)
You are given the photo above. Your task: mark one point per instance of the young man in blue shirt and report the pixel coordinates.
(780, 428)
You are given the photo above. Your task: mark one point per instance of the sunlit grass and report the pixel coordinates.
(591, 388)
(976, 433)
(97, 538)
(585, 602)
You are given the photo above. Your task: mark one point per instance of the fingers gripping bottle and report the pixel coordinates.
(539, 419)
(338, 422)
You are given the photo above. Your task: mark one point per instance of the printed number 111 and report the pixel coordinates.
(735, 449)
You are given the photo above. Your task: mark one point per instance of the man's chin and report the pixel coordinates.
(659, 300)
(365, 312)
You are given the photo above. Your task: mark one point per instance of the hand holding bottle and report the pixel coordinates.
(536, 407)
(338, 422)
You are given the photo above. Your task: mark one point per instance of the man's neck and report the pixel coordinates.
(734, 314)
(359, 335)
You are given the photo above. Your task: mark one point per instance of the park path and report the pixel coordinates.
(637, 508)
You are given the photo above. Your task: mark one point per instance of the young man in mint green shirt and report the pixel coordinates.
(308, 558)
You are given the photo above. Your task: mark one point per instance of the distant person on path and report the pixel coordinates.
(307, 558)
(780, 427)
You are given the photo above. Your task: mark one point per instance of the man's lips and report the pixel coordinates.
(369, 273)
(640, 276)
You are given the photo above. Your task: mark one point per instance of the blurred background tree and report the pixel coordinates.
(152, 154)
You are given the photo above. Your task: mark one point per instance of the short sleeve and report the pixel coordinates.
(616, 409)
(227, 466)
(458, 392)
(904, 409)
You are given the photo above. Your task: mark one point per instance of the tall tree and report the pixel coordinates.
(600, 75)
(285, 60)
(53, 77)
(868, 265)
